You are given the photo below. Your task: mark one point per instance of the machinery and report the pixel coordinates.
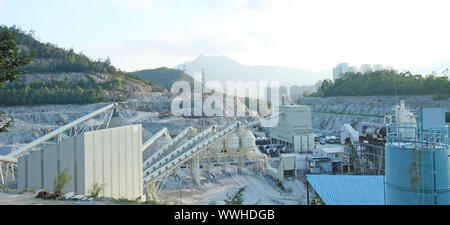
(375, 135)
(160, 155)
(417, 161)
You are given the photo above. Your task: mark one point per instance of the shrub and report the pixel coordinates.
(60, 182)
(237, 198)
(95, 190)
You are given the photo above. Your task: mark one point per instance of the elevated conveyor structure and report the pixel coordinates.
(168, 148)
(189, 145)
(98, 119)
(167, 159)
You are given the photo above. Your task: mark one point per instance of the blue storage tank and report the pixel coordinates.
(417, 165)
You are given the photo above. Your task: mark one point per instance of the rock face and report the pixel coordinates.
(32, 122)
(332, 112)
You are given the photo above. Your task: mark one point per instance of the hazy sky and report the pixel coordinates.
(315, 35)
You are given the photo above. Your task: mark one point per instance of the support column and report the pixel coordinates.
(239, 166)
(196, 169)
(2, 180)
(151, 191)
(208, 165)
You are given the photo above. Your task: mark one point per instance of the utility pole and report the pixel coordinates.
(307, 192)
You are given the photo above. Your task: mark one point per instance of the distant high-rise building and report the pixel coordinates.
(352, 69)
(390, 68)
(365, 68)
(343, 68)
(340, 70)
(378, 67)
(284, 91)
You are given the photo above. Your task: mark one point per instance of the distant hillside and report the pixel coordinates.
(439, 68)
(164, 76)
(60, 76)
(222, 69)
(49, 58)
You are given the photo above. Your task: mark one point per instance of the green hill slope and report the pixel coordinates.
(164, 76)
(61, 76)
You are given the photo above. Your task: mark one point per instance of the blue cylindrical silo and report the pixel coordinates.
(417, 167)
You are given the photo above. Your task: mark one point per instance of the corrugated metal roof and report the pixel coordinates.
(349, 189)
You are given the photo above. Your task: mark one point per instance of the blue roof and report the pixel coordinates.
(349, 189)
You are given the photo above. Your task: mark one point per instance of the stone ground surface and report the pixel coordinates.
(28, 198)
(259, 190)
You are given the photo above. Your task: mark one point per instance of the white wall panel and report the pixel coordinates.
(111, 157)
(79, 145)
(66, 162)
(34, 170)
(50, 166)
(107, 162)
(21, 172)
(115, 163)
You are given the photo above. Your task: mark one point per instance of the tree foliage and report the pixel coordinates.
(385, 83)
(11, 59)
(237, 198)
(11, 62)
(58, 92)
(21, 52)
(164, 76)
(49, 58)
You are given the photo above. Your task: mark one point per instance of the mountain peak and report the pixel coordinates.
(201, 56)
(223, 68)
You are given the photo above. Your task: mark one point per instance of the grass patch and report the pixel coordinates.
(28, 190)
(95, 190)
(4, 188)
(60, 182)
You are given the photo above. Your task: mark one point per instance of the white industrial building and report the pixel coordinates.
(111, 158)
(294, 128)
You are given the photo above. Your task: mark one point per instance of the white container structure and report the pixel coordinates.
(217, 147)
(109, 157)
(247, 141)
(232, 143)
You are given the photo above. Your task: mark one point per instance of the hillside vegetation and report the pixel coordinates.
(386, 83)
(164, 76)
(49, 59)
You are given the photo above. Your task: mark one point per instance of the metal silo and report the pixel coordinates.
(232, 143)
(417, 166)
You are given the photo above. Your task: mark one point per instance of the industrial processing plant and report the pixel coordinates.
(188, 106)
(405, 160)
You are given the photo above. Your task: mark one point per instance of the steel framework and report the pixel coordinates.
(92, 121)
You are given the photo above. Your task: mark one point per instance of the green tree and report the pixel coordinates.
(11, 62)
(385, 83)
(237, 198)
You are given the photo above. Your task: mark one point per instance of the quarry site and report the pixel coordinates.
(193, 161)
(167, 124)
